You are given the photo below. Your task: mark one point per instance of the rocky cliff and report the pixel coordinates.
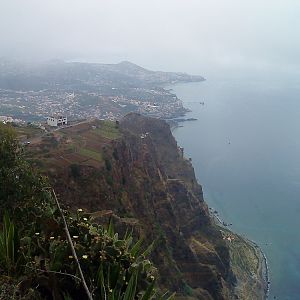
(140, 178)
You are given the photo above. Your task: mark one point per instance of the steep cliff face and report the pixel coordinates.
(143, 181)
(196, 246)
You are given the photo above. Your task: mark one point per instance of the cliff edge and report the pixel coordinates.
(134, 172)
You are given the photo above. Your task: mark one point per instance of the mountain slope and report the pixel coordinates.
(135, 173)
(82, 76)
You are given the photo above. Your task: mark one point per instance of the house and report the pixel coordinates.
(55, 121)
(5, 119)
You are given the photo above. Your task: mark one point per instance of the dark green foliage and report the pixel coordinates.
(109, 180)
(115, 154)
(113, 266)
(187, 289)
(75, 170)
(9, 147)
(18, 181)
(108, 164)
(9, 246)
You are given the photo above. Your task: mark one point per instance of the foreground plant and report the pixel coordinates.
(9, 246)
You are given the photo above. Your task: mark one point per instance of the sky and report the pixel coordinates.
(175, 35)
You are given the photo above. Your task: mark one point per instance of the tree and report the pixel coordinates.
(18, 182)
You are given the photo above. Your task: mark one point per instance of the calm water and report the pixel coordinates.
(245, 148)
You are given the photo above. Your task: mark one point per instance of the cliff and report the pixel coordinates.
(134, 172)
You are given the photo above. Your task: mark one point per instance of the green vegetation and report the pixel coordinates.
(19, 184)
(90, 154)
(36, 256)
(9, 246)
(109, 130)
(28, 131)
(75, 170)
(108, 164)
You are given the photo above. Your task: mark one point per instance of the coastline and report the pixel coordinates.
(258, 284)
(262, 268)
(266, 271)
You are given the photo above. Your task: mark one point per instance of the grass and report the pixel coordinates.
(90, 154)
(28, 131)
(108, 130)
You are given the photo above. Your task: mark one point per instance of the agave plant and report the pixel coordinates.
(9, 246)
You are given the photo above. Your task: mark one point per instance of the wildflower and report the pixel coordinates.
(85, 219)
(51, 238)
(37, 233)
(79, 209)
(70, 256)
(152, 277)
(75, 236)
(84, 256)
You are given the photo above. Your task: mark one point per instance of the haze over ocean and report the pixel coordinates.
(245, 149)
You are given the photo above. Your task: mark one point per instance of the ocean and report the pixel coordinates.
(245, 148)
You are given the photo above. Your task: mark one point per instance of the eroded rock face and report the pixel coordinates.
(150, 186)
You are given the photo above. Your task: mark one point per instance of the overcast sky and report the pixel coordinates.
(183, 35)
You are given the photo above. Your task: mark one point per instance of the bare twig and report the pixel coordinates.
(72, 248)
(60, 273)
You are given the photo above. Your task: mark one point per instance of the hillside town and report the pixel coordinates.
(37, 106)
(87, 91)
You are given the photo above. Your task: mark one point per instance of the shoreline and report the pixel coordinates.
(266, 270)
(263, 258)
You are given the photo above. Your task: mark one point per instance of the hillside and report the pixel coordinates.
(134, 172)
(83, 76)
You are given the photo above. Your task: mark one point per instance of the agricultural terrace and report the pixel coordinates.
(80, 144)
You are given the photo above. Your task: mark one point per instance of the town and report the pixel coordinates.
(99, 91)
(36, 106)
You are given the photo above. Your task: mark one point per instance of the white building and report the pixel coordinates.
(57, 121)
(5, 119)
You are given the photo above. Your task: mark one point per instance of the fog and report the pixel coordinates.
(176, 35)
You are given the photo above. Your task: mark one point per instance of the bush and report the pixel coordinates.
(108, 164)
(75, 170)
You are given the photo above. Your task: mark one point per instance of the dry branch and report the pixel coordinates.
(72, 248)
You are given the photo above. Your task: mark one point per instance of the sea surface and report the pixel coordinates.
(245, 148)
